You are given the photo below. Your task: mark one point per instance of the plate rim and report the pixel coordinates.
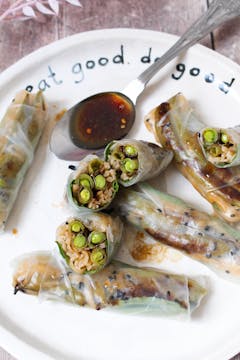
(9, 341)
(47, 50)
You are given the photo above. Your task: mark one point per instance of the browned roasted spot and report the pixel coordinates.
(33, 130)
(146, 290)
(143, 252)
(188, 246)
(149, 290)
(212, 175)
(229, 175)
(14, 231)
(163, 108)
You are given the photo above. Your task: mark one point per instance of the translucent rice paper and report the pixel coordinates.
(118, 286)
(81, 169)
(173, 222)
(228, 155)
(20, 130)
(152, 159)
(175, 126)
(99, 222)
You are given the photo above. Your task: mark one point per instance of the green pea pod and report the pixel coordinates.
(118, 286)
(150, 160)
(101, 190)
(20, 130)
(176, 127)
(173, 222)
(225, 150)
(88, 243)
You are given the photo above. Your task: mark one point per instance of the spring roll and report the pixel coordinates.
(20, 130)
(173, 222)
(93, 186)
(220, 146)
(118, 286)
(88, 243)
(136, 160)
(176, 127)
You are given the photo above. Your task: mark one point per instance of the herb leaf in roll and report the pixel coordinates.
(175, 223)
(88, 243)
(220, 146)
(176, 126)
(136, 160)
(20, 130)
(117, 286)
(93, 186)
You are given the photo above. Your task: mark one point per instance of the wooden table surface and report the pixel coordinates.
(18, 39)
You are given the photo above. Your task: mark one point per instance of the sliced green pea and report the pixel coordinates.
(210, 136)
(76, 226)
(84, 196)
(98, 256)
(130, 165)
(79, 241)
(85, 180)
(100, 182)
(130, 151)
(97, 237)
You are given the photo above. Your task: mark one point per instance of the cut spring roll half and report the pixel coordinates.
(117, 286)
(170, 220)
(176, 127)
(92, 186)
(221, 146)
(20, 130)
(136, 160)
(88, 243)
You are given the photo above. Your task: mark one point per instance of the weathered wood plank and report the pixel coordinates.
(227, 40)
(162, 15)
(20, 38)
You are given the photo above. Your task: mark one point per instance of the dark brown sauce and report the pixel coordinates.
(100, 119)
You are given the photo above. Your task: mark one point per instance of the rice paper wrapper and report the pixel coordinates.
(226, 156)
(152, 159)
(175, 126)
(172, 221)
(119, 286)
(99, 222)
(20, 130)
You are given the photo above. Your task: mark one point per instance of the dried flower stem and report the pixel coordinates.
(16, 9)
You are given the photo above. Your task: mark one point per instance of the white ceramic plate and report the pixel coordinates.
(70, 70)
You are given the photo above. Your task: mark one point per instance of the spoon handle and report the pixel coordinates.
(218, 12)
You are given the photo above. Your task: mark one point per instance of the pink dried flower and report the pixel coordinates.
(34, 9)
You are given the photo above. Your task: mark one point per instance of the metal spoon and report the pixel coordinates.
(95, 121)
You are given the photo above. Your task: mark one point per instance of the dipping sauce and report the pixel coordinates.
(100, 119)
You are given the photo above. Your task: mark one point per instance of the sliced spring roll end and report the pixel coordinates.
(197, 291)
(218, 147)
(123, 158)
(158, 288)
(93, 187)
(83, 248)
(30, 271)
